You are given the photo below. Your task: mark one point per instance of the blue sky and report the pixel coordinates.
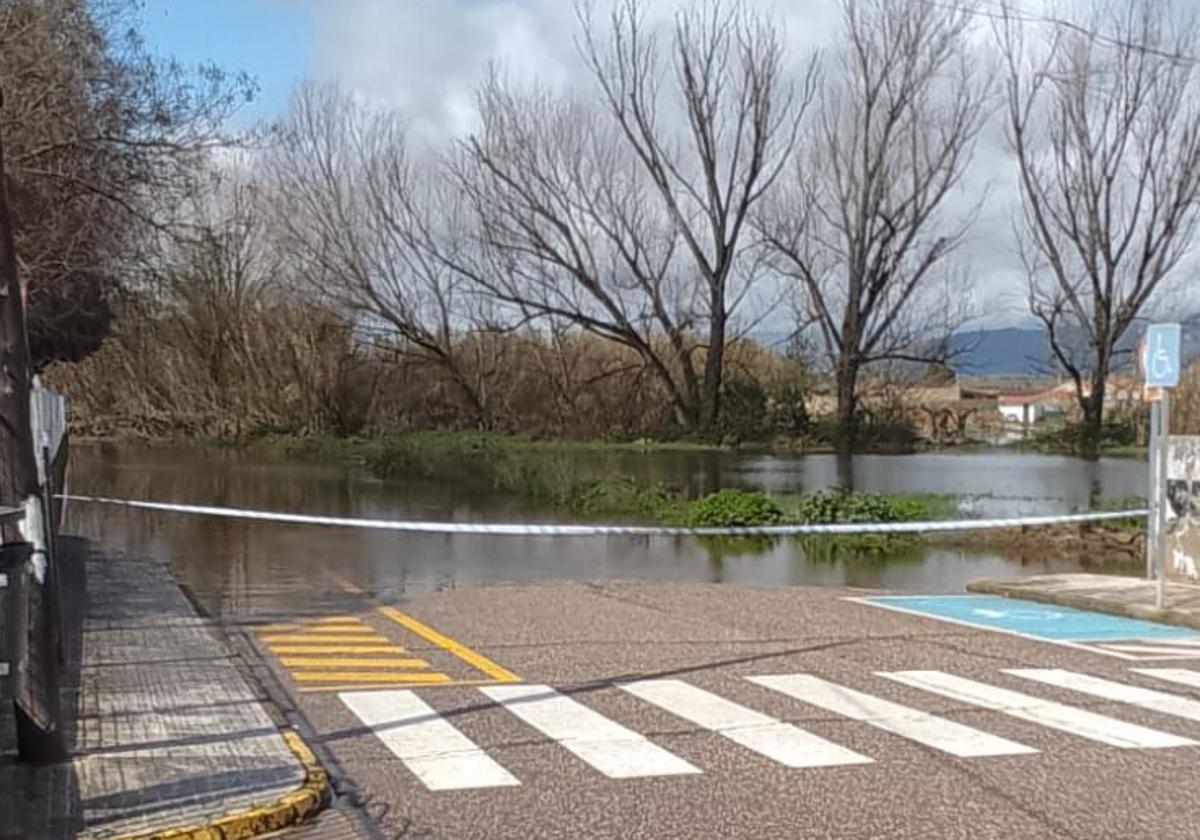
(272, 40)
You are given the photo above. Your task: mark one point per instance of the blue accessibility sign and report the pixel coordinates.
(1161, 362)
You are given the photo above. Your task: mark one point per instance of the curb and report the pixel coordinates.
(1179, 618)
(289, 810)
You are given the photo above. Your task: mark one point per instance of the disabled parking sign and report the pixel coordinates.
(1161, 360)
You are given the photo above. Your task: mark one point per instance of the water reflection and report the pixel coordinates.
(237, 567)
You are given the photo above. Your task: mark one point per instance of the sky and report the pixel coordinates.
(425, 57)
(272, 40)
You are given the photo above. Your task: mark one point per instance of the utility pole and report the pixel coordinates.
(35, 676)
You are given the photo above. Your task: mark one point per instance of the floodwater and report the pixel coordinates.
(237, 567)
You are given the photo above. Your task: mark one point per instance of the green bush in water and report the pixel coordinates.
(830, 506)
(833, 506)
(620, 495)
(733, 509)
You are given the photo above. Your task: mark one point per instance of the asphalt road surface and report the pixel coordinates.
(689, 711)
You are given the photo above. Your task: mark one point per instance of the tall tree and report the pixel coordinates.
(1104, 118)
(103, 142)
(18, 471)
(375, 232)
(865, 227)
(630, 220)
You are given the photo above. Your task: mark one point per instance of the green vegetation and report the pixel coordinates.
(1136, 524)
(619, 495)
(1119, 435)
(733, 509)
(541, 471)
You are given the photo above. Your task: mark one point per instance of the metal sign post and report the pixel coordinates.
(1160, 362)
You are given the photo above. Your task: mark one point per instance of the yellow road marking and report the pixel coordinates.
(338, 626)
(305, 638)
(320, 631)
(323, 689)
(367, 676)
(463, 652)
(335, 649)
(341, 662)
(340, 619)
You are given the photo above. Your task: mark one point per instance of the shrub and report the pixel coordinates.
(787, 413)
(615, 495)
(829, 506)
(833, 506)
(743, 408)
(733, 509)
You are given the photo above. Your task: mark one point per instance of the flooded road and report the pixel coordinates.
(237, 568)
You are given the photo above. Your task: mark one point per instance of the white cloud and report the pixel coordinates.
(425, 57)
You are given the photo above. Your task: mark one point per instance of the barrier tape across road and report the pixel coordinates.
(556, 530)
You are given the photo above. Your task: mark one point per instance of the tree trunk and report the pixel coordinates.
(1093, 420)
(846, 432)
(714, 366)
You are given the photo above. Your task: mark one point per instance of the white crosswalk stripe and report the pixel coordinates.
(1156, 701)
(443, 758)
(782, 742)
(942, 734)
(606, 745)
(436, 753)
(1180, 676)
(1085, 724)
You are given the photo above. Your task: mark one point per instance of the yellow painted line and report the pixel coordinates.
(300, 650)
(363, 629)
(349, 662)
(340, 619)
(324, 689)
(476, 660)
(313, 638)
(367, 677)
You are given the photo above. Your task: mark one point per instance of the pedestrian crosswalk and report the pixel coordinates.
(946, 735)
(435, 749)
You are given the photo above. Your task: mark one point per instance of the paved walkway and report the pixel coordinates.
(1128, 596)
(166, 731)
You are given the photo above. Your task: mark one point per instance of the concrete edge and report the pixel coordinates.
(290, 809)
(1017, 589)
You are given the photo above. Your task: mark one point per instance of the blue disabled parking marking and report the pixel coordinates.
(1030, 618)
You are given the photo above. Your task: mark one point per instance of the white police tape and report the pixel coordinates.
(555, 530)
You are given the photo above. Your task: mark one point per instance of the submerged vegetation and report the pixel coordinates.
(545, 474)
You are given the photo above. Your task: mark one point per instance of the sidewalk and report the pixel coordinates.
(1128, 596)
(166, 732)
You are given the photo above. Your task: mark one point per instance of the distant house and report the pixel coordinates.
(1026, 408)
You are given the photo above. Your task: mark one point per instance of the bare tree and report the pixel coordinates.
(1106, 133)
(375, 232)
(629, 221)
(18, 472)
(863, 228)
(103, 138)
